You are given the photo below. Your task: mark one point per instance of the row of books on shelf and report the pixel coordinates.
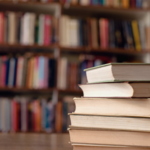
(22, 114)
(104, 33)
(71, 72)
(27, 28)
(30, 72)
(114, 3)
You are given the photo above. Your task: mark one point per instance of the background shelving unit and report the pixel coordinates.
(58, 9)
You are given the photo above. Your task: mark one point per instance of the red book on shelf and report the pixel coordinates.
(103, 25)
(36, 116)
(133, 3)
(3, 71)
(47, 30)
(14, 116)
(1, 27)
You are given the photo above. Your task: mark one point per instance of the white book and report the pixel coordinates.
(73, 32)
(116, 90)
(41, 30)
(84, 2)
(110, 122)
(25, 29)
(64, 35)
(66, 28)
(62, 84)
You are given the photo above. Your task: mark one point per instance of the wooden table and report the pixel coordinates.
(34, 141)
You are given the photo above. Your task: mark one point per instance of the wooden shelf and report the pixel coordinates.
(27, 90)
(70, 91)
(22, 90)
(104, 50)
(18, 48)
(67, 7)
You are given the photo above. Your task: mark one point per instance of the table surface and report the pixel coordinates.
(27, 141)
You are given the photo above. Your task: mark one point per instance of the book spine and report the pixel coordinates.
(47, 34)
(1, 27)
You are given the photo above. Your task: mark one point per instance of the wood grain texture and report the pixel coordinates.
(34, 142)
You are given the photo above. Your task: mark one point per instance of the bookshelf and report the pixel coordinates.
(58, 9)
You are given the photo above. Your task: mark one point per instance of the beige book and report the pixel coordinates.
(64, 31)
(116, 90)
(32, 28)
(109, 137)
(118, 72)
(12, 28)
(113, 107)
(77, 146)
(110, 122)
(62, 79)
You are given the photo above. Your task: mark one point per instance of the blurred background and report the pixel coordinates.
(46, 44)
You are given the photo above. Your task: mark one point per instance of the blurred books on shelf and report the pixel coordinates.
(111, 3)
(22, 114)
(27, 28)
(35, 72)
(104, 33)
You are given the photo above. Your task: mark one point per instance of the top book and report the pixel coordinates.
(119, 72)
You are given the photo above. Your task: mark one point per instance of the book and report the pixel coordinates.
(1, 27)
(77, 146)
(116, 90)
(110, 122)
(136, 35)
(114, 72)
(116, 137)
(113, 107)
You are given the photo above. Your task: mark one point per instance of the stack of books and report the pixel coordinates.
(115, 110)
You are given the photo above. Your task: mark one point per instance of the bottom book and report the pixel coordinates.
(109, 137)
(77, 146)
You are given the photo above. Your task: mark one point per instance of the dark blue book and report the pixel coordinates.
(52, 72)
(131, 39)
(15, 71)
(138, 3)
(80, 33)
(102, 2)
(111, 33)
(95, 2)
(7, 71)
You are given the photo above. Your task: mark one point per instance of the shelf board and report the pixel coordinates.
(30, 5)
(22, 90)
(107, 10)
(27, 90)
(18, 48)
(70, 91)
(104, 50)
